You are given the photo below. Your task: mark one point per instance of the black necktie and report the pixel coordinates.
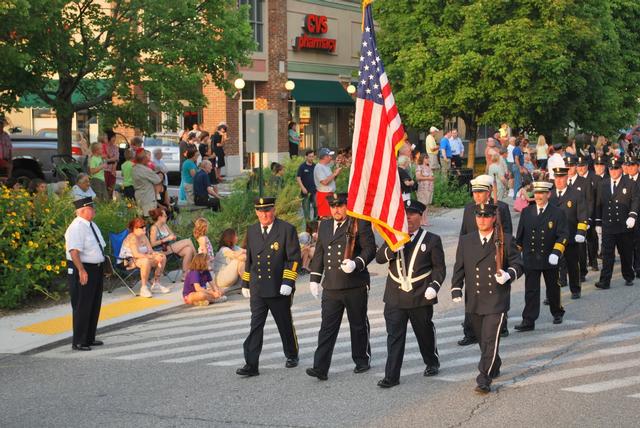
(560, 192)
(337, 227)
(95, 234)
(615, 186)
(484, 241)
(541, 211)
(265, 232)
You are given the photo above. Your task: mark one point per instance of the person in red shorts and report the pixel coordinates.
(325, 180)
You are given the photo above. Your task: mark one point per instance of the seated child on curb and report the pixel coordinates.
(199, 289)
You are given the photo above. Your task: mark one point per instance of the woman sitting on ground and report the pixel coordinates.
(164, 240)
(137, 252)
(200, 231)
(228, 265)
(199, 288)
(308, 240)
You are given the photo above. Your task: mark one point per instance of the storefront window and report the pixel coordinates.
(256, 20)
(322, 129)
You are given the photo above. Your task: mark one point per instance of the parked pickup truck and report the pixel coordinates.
(32, 156)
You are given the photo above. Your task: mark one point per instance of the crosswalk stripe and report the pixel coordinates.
(379, 350)
(634, 396)
(579, 371)
(608, 385)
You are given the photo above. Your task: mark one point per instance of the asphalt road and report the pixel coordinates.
(178, 370)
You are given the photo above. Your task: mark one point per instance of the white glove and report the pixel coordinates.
(553, 259)
(598, 230)
(588, 226)
(503, 277)
(246, 293)
(430, 294)
(579, 239)
(285, 290)
(315, 289)
(457, 299)
(348, 266)
(631, 222)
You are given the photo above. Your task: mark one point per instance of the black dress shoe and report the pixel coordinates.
(386, 383)
(291, 363)
(628, 283)
(247, 370)
(504, 333)
(495, 374)
(361, 369)
(467, 341)
(596, 269)
(557, 319)
(313, 372)
(583, 278)
(525, 327)
(81, 347)
(97, 343)
(602, 286)
(483, 389)
(545, 302)
(431, 371)
(575, 296)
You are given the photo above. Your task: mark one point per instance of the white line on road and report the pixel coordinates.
(608, 385)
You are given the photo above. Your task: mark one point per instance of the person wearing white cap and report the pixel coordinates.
(542, 236)
(481, 186)
(325, 181)
(432, 148)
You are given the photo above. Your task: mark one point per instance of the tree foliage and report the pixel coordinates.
(165, 48)
(533, 63)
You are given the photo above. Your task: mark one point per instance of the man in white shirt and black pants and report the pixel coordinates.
(84, 247)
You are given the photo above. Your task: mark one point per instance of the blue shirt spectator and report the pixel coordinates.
(446, 146)
(186, 167)
(456, 146)
(517, 153)
(305, 172)
(201, 182)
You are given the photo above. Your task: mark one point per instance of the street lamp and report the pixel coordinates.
(290, 85)
(351, 89)
(239, 84)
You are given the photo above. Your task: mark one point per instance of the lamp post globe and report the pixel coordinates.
(290, 85)
(239, 84)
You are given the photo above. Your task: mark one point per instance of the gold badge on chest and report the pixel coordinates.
(550, 225)
(275, 246)
(569, 204)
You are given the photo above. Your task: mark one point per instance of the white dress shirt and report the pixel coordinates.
(80, 237)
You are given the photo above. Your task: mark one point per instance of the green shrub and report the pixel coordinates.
(32, 252)
(448, 193)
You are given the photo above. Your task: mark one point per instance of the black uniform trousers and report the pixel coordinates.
(624, 243)
(334, 303)
(396, 321)
(582, 258)
(569, 265)
(85, 302)
(468, 330)
(280, 308)
(531, 310)
(487, 330)
(592, 246)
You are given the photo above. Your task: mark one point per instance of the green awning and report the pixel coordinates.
(320, 93)
(86, 90)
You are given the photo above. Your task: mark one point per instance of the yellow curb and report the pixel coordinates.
(112, 310)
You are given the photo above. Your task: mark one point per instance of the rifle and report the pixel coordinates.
(499, 229)
(352, 232)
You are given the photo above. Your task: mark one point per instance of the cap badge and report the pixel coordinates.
(261, 201)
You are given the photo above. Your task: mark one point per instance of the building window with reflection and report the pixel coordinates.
(256, 19)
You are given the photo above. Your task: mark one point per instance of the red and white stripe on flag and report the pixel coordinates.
(374, 183)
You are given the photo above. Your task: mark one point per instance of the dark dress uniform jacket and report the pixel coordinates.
(329, 254)
(423, 255)
(469, 219)
(476, 265)
(271, 262)
(585, 186)
(574, 206)
(612, 211)
(541, 235)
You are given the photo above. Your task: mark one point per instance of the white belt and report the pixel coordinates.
(411, 280)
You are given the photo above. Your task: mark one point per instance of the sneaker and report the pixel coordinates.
(220, 299)
(144, 292)
(159, 288)
(201, 303)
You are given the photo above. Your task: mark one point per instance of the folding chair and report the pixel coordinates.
(119, 269)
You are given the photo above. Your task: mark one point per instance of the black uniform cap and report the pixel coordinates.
(560, 171)
(84, 202)
(264, 203)
(614, 163)
(570, 161)
(415, 206)
(337, 199)
(486, 210)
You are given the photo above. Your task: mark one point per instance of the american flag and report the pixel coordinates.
(374, 184)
